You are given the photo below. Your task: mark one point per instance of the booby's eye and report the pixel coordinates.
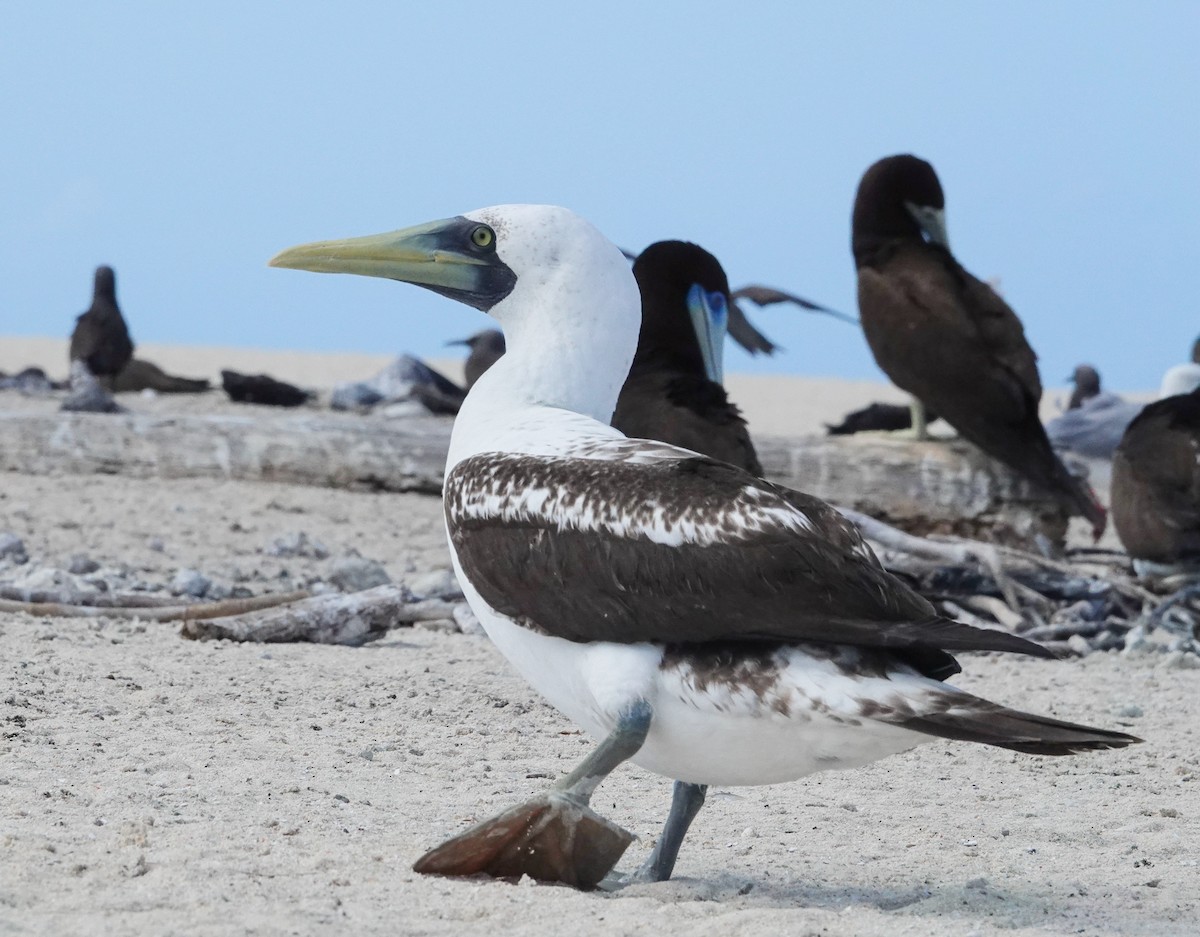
(483, 236)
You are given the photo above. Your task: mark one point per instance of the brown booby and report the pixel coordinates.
(262, 389)
(699, 621)
(101, 338)
(674, 392)
(1156, 485)
(139, 375)
(876, 417)
(486, 348)
(945, 336)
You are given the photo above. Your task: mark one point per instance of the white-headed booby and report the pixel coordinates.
(693, 617)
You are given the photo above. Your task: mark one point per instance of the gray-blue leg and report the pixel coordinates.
(555, 837)
(620, 745)
(686, 801)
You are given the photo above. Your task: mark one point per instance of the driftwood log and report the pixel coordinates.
(931, 487)
(921, 487)
(326, 619)
(48, 607)
(1089, 601)
(324, 449)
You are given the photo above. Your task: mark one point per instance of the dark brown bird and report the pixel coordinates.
(262, 388)
(101, 338)
(673, 392)
(1156, 482)
(875, 417)
(486, 348)
(1086, 381)
(140, 374)
(945, 336)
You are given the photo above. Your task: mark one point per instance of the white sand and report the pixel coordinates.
(151, 785)
(773, 405)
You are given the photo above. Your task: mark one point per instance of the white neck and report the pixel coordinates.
(571, 330)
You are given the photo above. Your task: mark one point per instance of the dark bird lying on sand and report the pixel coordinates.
(262, 388)
(139, 375)
(1156, 485)
(705, 624)
(877, 417)
(101, 338)
(674, 392)
(946, 337)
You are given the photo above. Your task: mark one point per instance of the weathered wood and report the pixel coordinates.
(324, 449)
(921, 487)
(185, 612)
(937, 486)
(326, 619)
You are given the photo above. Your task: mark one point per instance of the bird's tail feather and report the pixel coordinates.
(975, 720)
(1083, 497)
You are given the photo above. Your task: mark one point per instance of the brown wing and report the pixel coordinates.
(681, 550)
(951, 341)
(944, 335)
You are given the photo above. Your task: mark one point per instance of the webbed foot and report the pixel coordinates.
(552, 838)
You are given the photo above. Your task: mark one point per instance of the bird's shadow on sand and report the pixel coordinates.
(975, 900)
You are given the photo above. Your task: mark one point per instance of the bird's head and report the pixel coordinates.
(901, 197)
(685, 307)
(560, 290)
(493, 258)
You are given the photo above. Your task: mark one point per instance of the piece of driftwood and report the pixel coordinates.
(326, 449)
(929, 487)
(922, 487)
(335, 618)
(177, 612)
(1088, 602)
(95, 599)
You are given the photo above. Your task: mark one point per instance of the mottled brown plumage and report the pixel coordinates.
(944, 335)
(1156, 482)
(668, 395)
(101, 338)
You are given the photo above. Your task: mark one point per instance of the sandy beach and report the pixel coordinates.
(155, 785)
(773, 405)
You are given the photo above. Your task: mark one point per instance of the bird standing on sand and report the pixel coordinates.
(101, 338)
(674, 392)
(946, 337)
(1156, 485)
(684, 612)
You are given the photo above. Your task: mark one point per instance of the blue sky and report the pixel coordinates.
(186, 144)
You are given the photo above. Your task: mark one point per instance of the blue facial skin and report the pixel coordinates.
(710, 316)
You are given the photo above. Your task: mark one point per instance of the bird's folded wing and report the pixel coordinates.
(656, 544)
